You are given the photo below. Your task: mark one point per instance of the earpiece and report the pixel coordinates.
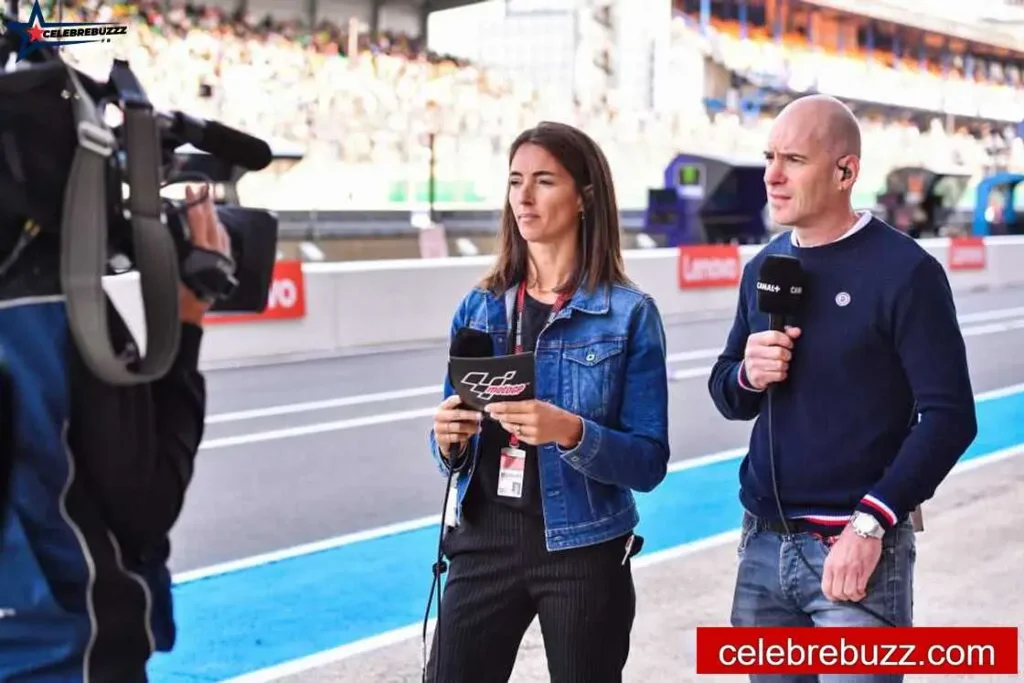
(846, 172)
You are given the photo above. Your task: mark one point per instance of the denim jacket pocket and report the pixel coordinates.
(590, 374)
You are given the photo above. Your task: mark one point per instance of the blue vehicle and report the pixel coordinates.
(995, 206)
(708, 200)
(988, 205)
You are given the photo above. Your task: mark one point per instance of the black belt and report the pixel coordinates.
(796, 526)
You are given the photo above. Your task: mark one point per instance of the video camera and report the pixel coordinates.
(62, 169)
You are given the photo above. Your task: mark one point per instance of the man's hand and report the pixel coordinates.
(536, 422)
(208, 233)
(849, 566)
(766, 359)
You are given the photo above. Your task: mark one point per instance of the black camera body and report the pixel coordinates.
(241, 282)
(62, 170)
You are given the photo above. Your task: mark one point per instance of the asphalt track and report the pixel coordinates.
(301, 452)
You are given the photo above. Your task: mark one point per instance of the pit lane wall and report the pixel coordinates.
(325, 309)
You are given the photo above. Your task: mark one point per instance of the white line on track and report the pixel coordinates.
(396, 395)
(994, 328)
(398, 528)
(970, 331)
(317, 428)
(419, 413)
(434, 389)
(327, 404)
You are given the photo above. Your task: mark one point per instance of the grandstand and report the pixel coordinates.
(358, 88)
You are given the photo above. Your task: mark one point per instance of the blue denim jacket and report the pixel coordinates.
(603, 358)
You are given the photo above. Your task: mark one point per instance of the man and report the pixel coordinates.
(872, 401)
(97, 478)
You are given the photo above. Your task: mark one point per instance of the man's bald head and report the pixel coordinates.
(812, 162)
(827, 120)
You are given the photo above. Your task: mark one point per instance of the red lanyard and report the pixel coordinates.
(520, 304)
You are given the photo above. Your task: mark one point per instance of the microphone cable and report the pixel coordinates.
(782, 515)
(439, 568)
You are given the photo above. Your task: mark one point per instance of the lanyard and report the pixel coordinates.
(520, 304)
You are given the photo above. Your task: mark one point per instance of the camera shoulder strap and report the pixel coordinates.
(84, 244)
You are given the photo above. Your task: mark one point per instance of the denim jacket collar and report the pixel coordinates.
(596, 302)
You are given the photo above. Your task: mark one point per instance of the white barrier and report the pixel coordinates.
(355, 306)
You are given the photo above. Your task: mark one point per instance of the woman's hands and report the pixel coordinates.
(535, 422)
(454, 426)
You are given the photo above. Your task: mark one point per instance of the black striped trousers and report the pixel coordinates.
(501, 576)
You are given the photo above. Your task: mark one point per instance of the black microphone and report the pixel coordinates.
(470, 343)
(781, 284)
(219, 140)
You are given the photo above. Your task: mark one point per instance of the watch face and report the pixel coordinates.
(865, 523)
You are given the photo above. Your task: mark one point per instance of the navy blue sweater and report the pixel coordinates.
(878, 406)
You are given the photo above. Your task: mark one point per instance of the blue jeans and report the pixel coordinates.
(775, 588)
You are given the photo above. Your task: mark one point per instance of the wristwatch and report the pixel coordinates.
(866, 526)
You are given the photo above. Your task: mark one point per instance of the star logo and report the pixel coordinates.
(37, 32)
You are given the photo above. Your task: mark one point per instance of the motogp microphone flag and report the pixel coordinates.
(481, 381)
(916, 650)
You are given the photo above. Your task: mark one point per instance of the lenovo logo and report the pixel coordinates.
(709, 265)
(286, 297)
(284, 293)
(967, 253)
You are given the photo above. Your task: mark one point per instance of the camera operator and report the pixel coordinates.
(96, 482)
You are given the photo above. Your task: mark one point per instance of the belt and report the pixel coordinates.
(796, 526)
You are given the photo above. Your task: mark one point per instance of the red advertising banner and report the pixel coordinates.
(285, 301)
(967, 253)
(709, 265)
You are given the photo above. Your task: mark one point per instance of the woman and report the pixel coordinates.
(559, 545)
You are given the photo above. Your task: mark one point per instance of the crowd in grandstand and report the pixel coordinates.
(362, 119)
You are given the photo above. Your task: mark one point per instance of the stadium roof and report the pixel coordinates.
(971, 28)
(435, 5)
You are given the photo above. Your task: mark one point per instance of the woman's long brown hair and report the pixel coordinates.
(599, 251)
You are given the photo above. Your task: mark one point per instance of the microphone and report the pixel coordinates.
(470, 343)
(781, 284)
(217, 139)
